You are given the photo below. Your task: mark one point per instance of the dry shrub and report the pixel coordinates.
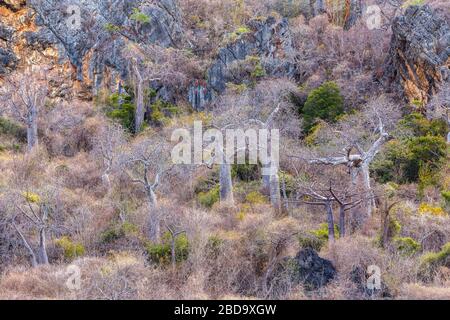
(70, 128)
(415, 291)
(40, 283)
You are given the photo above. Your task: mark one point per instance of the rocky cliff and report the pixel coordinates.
(419, 59)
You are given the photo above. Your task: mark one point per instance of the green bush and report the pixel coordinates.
(71, 250)
(162, 253)
(417, 158)
(431, 261)
(316, 239)
(210, 198)
(246, 172)
(161, 112)
(11, 128)
(139, 16)
(121, 108)
(407, 246)
(324, 103)
(311, 241)
(119, 231)
(322, 232)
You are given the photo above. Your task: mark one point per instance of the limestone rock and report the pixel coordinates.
(419, 59)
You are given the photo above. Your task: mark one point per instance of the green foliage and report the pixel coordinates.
(416, 158)
(139, 16)
(431, 261)
(407, 246)
(255, 198)
(238, 33)
(32, 197)
(257, 69)
(246, 172)
(446, 196)
(161, 111)
(162, 253)
(324, 103)
(316, 239)
(112, 28)
(408, 3)
(119, 231)
(322, 232)
(122, 109)
(13, 129)
(214, 246)
(311, 241)
(210, 198)
(70, 249)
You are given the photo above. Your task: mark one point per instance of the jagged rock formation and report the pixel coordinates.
(419, 59)
(269, 41)
(93, 48)
(344, 13)
(13, 4)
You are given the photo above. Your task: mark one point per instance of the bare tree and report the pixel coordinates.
(23, 96)
(107, 144)
(174, 234)
(33, 214)
(146, 166)
(325, 199)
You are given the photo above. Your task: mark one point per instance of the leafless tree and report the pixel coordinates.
(23, 96)
(146, 165)
(360, 145)
(30, 214)
(108, 144)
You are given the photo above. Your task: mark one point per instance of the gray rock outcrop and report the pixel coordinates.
(269, 41)
(419, 59)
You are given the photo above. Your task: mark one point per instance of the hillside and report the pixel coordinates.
(224, 149)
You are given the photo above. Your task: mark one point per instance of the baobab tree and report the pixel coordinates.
(360, 146)
(108, 144)
(34, 215)
(22, 96)
(151, 64)
(146, 165)
(324, 198)
(258, 109)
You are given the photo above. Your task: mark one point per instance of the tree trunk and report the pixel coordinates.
(368, 188)
(140, 110)
(275, 193)
(174, 257)
(33, 260)
(154, 219)
(32, 128)
(331, 235)
(285, 198)
(43, 257)
(226, 184)
(342, 225)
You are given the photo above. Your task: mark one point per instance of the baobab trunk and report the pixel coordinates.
(43, 257)
(342, 221)
(271, 184)
(275, 194)
(140, 110)
(154, 218)
(368, 189)
(32, 128)
(331, 235)
(226, 184)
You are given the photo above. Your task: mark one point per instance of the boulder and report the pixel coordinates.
(8, 60)
(313, 271)
(419, 60)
